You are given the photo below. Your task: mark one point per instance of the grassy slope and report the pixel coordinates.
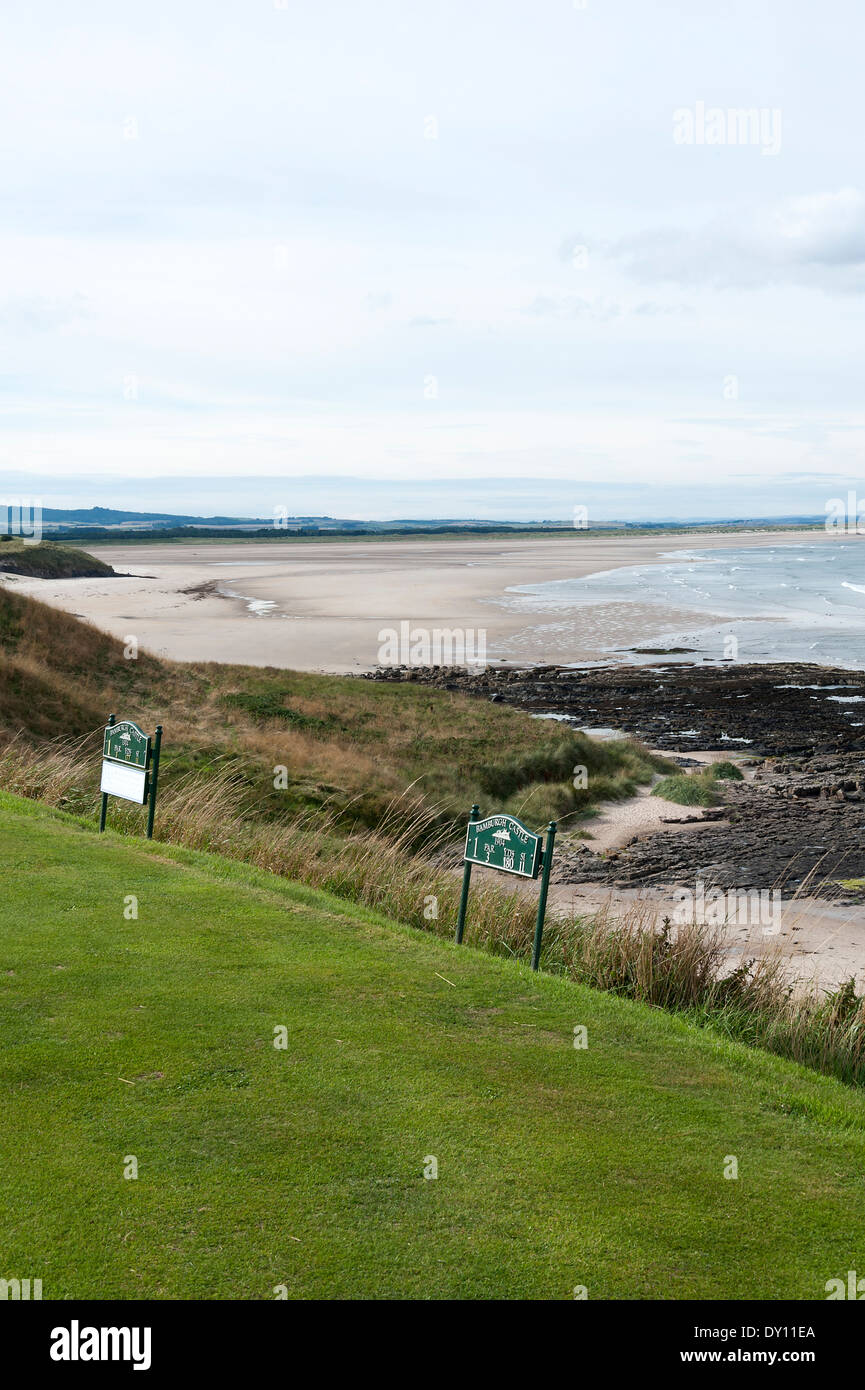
(260, 1167)
(57, 673)
(49, 560)
(348, 743)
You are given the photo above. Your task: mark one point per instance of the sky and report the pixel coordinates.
(393, 258)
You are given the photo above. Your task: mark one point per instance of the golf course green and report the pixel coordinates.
(143, 988)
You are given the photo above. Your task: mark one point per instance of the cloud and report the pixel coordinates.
(280, 259)
(36, 313)
(817, 241)
(573, 306)
(378, 299)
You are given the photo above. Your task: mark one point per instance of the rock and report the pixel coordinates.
(800, 815)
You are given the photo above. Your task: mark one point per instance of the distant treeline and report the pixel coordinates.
(163, 533)
(79, 534)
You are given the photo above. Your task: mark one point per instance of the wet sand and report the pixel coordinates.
(321, 606)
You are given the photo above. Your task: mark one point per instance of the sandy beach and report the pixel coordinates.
(321, 606)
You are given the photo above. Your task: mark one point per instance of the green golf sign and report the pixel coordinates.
(130, 767)
(502, 842)
(126, 743)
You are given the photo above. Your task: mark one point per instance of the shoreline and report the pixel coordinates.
(322, 607)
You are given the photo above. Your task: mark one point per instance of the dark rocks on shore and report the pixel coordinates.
(790, 828)
(764, 710)
(798, 825)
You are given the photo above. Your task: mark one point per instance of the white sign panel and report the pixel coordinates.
(128, 782)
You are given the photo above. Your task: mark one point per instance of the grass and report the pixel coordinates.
(367, 805)
(697, 788)
(686, 791)
(349, 746)
(725, 772)
(687, 971)
(100, 537)
(377, 870)
(623, 951)
(303, 1167)
(48, 560)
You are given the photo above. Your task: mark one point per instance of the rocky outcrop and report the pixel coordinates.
(796, 826)
(764, 710)
(800, 822)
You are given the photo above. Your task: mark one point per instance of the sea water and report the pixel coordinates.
(786, 602)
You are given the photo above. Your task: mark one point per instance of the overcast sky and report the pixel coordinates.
(431, 241)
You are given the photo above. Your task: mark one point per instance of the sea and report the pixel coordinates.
(784, 603)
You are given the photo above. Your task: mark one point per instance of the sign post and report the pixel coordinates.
(104, 808)
(154, 779)
(542, 900)
(130, 767)
(467, 878)
(502, 842)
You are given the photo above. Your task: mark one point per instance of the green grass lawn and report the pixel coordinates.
(304, 1167)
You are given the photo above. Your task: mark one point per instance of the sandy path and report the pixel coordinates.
(618, 822)
(817, 940)
(321, 606)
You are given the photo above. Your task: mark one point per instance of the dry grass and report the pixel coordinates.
(48, 560)
(211, 813)
(345, 742)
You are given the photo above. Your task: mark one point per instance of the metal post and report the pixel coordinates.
(467, 878)
(542, 900)
(104, 809)
(154, 778)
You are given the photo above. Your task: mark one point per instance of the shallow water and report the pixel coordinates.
(793, 602)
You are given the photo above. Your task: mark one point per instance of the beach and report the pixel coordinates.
(321, 606)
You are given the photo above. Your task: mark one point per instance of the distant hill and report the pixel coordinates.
(114, 524)
(111, 516)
